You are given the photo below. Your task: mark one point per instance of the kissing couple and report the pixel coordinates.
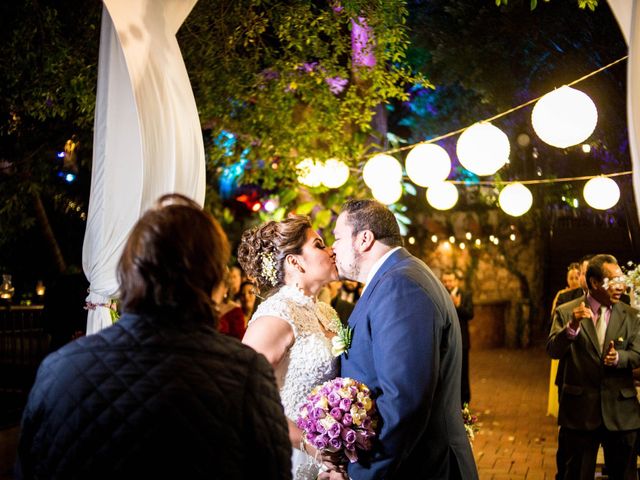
(406, 344)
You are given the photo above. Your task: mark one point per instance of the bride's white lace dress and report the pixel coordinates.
(308, 362)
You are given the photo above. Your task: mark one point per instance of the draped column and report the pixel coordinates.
(627, 12)
(147, 135)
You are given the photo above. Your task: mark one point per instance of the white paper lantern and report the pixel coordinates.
(564, 117)
(310, 172)
(381, 169)
(428, 163)
(601, 193)
(335, 173)
(387, 193)
(442, 195)
(515, 199)
(483, 149)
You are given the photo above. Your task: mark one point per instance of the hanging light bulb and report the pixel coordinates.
(442, 195)
(427, 163)
(381, 169)
(483, 149)
(564, 117)
(515, 199)
(601, 193)
(335, 173)
(310, 172)
(387, 193)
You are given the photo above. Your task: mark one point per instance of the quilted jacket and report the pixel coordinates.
(154, 398)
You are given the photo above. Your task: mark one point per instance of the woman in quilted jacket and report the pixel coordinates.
(160, 393)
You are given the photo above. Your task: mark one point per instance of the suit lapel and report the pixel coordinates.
(361, 304)
(616, 322)
(590, 330)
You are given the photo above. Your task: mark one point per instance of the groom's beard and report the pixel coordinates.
(351, 271)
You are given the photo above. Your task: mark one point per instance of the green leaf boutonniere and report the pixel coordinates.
(342, 341)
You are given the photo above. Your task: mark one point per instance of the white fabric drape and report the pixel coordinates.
(627, 12)
(147, 135)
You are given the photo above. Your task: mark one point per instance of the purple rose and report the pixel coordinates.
(345, 404)
(317, 413)
(349, 436)
(366, 423)
(334, 399)
(334, 430)
(336, 413)
(321, 442)
(320, 428)
(347, 419)
(335, 443)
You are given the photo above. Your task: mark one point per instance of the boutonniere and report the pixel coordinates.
(341, 342)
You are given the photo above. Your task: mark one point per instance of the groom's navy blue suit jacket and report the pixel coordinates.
(407, 348)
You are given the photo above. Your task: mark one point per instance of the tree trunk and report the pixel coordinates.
(47, 231)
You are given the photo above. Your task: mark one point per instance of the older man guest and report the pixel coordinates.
(597, 339)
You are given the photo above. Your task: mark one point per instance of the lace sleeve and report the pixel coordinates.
(275, 306)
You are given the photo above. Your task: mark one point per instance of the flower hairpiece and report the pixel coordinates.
(268, 268)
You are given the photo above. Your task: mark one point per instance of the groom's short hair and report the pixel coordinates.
(374, 216)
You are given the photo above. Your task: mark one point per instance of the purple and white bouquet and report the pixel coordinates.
(339, 416)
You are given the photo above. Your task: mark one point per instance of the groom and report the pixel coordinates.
(406, 348)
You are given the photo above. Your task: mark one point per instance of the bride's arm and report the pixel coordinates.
(272, 337)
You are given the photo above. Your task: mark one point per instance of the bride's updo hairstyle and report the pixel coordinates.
(263, 249)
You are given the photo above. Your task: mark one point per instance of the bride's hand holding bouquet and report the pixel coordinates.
(339, 419)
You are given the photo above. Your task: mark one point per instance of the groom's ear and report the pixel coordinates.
(365, 240)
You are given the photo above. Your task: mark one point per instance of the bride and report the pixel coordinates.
(291, 263)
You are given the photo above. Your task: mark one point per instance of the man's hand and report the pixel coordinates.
(611, 358)
(332, 475)
(578, 315)
(457, 298)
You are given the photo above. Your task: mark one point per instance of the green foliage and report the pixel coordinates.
(48, 55)
(591, 4)
(260, 68)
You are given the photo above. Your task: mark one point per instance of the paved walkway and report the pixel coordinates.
(509, 394)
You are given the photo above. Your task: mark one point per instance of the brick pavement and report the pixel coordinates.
(509, 394)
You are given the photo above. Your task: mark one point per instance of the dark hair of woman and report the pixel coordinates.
(271, 243)
(175, 256)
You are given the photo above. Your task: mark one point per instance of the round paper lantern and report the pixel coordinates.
(515, 199)
(381, 169)
(483, 149)
(310, 172)
(427, 163)
(601, 193)
(564, 117)
(387, 193)
(442, 195)
(335, 173)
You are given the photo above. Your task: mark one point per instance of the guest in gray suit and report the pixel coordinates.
(598, 340)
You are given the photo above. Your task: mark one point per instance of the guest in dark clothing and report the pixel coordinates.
(463, 302)
(248, 299)
(342, 307)
(231, 319)
(160, 394)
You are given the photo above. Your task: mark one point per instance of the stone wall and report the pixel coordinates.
(506, 279)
